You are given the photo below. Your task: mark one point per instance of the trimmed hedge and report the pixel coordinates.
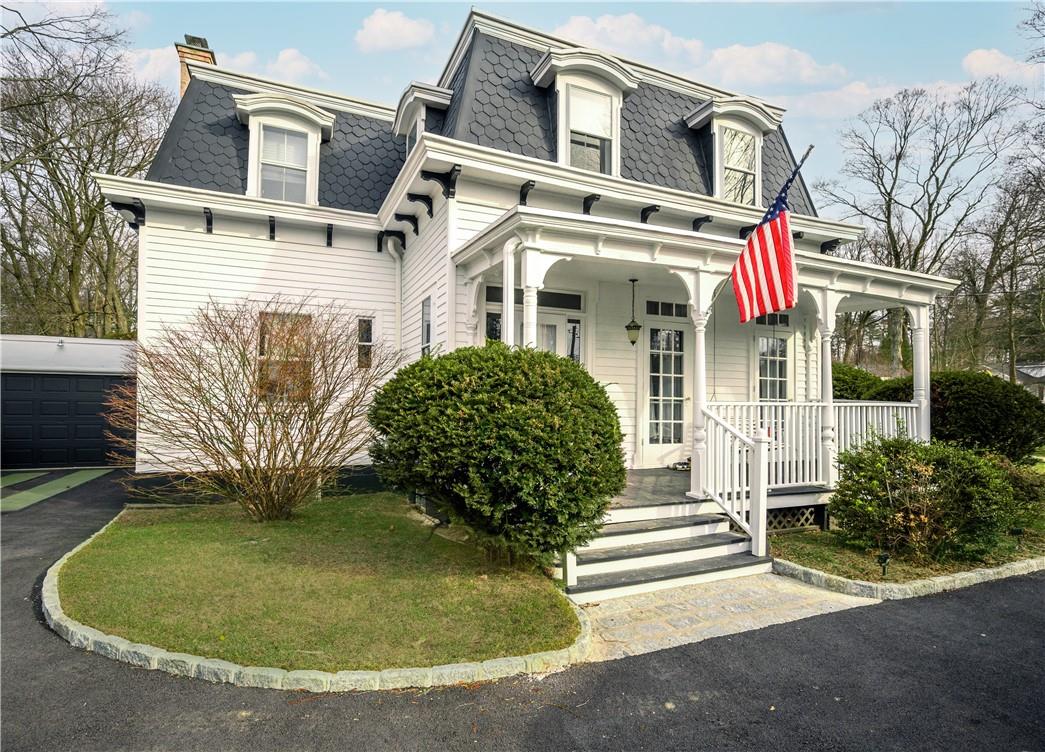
(523, 446)
(976, 410)
(932, 501)
(850, 382)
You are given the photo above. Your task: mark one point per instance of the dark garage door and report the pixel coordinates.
(54, 420)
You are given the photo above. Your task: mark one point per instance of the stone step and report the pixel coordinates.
(651, 531)
(660, 553)
(598, 587)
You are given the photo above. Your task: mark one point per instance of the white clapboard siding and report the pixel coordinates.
(614, 363)
(473, 217)
(425, 273)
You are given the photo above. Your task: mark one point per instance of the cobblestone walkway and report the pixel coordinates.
(677, 616)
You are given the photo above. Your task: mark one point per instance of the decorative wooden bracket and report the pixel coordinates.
(272, 228)
(132, 213)
(745, 231)
(699, 222)
(410, 219)
(447, 180)
(395, 234)
(648, 212)
(589, 201)
(208, 219)
(829, 246)
(798, 235)
(330, 236)
(524, 191)
(421, 198)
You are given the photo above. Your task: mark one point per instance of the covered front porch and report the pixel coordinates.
(751, 405)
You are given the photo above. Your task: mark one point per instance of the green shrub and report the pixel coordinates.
(850, 382)
(977, 410)
(521, 445)
(929, 501)
(1028, 489)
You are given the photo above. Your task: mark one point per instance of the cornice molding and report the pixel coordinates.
(261, 103)
(584, 60)
(252, 83)
(740, 108)
(414, 97)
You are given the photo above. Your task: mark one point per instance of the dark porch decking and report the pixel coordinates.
(656, 485)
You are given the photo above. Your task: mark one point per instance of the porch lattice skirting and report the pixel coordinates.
(214, 670)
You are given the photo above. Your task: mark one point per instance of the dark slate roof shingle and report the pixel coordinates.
(206, 147)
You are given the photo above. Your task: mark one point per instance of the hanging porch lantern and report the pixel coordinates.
(633, 327)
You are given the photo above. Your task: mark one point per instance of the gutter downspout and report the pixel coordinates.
(398, 258)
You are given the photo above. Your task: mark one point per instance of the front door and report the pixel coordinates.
(559, 334)
(667, 413)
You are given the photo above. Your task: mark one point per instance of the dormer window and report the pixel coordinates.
(738, 166)
(737, 126)
(589, 88)
(283, 157)
(413, 106)
(284, 164)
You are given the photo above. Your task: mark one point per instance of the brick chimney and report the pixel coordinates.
(195, 50)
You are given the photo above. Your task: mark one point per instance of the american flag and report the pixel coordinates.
(765, 278)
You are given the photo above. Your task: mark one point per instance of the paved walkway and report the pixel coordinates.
(678, 616)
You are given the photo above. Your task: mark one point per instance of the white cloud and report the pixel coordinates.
(159, 65)
(982, 63)
(388, 30)
(766, 64)
(834, 104)
(631, 35)
(294, 66)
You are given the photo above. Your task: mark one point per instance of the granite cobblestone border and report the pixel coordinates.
(219, 671)
(890, 591)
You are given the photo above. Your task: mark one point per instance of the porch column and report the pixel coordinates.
(699, 469)
(508, 293)
(828, 449)
(529, 315)
(920, 367)
(534, 265)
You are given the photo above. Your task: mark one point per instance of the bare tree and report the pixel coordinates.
(71, 108)
(917, 169)
(257, 403)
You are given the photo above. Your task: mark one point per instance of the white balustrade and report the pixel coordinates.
(856, 422)
(736, 476)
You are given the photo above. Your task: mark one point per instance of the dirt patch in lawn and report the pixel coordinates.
(353, 582)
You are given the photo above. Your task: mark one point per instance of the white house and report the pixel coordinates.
(601, 191)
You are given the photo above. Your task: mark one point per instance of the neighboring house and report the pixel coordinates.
(1031, 376)
(563, 174)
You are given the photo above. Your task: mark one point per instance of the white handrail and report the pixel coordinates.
(737, 476)
(794, 437)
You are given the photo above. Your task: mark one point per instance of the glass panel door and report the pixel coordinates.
(666, 386)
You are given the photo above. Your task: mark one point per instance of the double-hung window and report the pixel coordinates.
(284, 370)
(426, 326)
(772, 368)
(284, 164)
(738, 166)
(365, 342)
(591, 130)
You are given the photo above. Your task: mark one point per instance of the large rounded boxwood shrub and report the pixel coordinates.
(521, 445)
(850, 382)
(976, 410)
(932, 501)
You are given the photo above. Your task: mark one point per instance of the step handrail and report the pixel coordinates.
(737, 475)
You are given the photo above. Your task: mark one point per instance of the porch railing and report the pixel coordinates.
(856, 421)
(736, 476)
(794, 437)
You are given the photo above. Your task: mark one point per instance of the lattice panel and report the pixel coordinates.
(791, 518)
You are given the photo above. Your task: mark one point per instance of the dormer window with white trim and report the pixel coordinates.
(739, 166)
(285, 136)
(737, 126)
(591, 122)
(284, 164)
(589, 89)
(413, 106)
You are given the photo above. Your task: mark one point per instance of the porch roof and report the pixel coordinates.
(568, 234)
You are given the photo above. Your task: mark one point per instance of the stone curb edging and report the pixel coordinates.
(215, 670)
(889, 591)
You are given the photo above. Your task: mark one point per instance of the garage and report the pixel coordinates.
(52, 400)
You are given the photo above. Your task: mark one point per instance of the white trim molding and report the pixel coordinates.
(263, 103)
(584, 60)
(412, 103)
(735, 108)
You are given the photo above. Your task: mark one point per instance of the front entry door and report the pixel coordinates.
(668, 407)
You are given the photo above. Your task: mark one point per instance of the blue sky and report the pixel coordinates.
(823, 61)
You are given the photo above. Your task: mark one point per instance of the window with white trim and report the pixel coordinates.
(590, 115)
(365, 342)
(284, 370)
(772, 368)
(284, 164)
(738, 166)
(426, 326)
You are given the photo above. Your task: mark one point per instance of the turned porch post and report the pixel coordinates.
(920, 367)
(698, 466)
(508, 293)
(828, 449)
(529, 315)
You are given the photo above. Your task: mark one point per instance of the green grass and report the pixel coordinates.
(828, 553)
(352, 582)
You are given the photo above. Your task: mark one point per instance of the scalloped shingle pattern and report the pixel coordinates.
(656, 145)
(206, 147)
(777, 164)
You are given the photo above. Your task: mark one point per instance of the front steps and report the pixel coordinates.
(645, 548)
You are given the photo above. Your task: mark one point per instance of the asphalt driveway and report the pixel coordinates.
(959, 671)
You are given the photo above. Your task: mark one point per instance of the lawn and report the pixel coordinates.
(352, 582)
(828, 553)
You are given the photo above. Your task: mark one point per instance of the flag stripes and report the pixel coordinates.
(764, 276)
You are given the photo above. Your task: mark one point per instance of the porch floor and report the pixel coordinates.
(656, 485)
